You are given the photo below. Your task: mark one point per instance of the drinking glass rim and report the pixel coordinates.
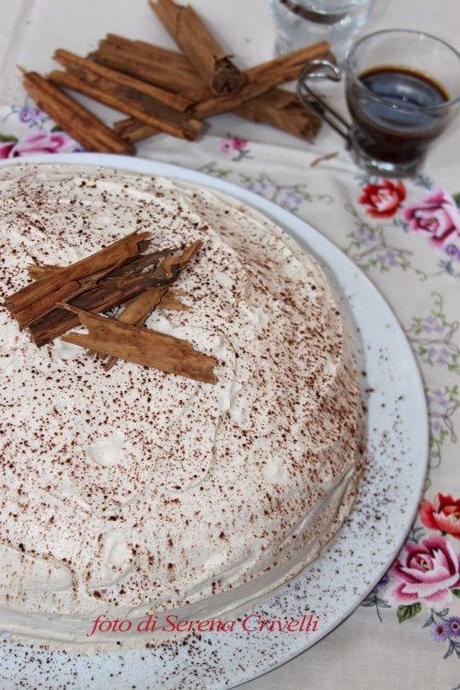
(379, 99)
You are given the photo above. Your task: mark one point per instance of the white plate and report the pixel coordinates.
(335, 584)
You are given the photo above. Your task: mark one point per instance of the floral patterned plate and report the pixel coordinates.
(348, 569)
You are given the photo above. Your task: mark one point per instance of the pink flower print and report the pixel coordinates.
(426, 572)
(235, 145)
(40, 142)
(437, 214)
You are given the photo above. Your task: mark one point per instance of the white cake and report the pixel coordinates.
(133, 490)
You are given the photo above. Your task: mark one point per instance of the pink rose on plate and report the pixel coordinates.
(40, 142)
(436, 214)
(426, 572)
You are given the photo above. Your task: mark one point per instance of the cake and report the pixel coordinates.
(135, 491)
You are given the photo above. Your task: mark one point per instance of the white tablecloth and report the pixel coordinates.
(380, 227)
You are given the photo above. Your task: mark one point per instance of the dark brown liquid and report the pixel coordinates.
(402, 120)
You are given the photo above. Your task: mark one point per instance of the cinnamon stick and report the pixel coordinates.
(169, 302)
(132, 130)
(141, 345)
(44, 305)
(99, 299)
(282, 110)
(174, 263)
(121, 286)
(278, 108)
(152, 64)
(37, 298)
(37, 271)
(275, 107)
(134, 266)
(137, 311)
(143, 108)
(74, 119)
(168, 299)
(262, 78)
(99, 75)
(210, 60)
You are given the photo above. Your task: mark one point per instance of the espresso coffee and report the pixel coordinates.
(395, 113)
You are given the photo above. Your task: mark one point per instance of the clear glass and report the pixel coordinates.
(417, 92)
(300, 22)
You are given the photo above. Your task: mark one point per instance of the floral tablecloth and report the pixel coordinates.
(406, 236)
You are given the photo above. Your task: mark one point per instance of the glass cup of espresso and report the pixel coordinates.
(402, 89)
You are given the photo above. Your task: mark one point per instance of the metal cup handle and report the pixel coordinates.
(322, 69)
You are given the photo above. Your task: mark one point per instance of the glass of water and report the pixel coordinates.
(300, 22)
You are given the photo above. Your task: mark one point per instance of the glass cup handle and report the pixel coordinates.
(322, 69)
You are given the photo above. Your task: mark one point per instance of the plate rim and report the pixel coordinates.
(287, 220)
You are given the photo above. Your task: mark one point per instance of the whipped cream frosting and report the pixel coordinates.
(134, 491)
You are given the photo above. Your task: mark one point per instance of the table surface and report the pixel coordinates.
(363, 651)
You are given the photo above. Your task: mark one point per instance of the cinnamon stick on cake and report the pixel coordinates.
(139, 309)
(38, 298)
(150, 348)
(64, 297)
(143, 273)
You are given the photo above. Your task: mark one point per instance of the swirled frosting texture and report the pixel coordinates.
(135, 490)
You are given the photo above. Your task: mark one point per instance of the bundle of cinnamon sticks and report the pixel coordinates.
(61, 298)
(166, 91)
